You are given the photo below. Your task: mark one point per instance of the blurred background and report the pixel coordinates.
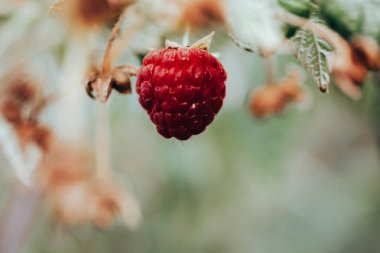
(304, 180)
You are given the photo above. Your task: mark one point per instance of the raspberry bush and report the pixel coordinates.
(276, 144)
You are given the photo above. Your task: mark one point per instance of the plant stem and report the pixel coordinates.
(18, 217)
(270, 70)
(186, 37)
(107, 58)
(103, 170)
(127, 34)
(70, 122)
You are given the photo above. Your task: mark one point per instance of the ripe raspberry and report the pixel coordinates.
(182, 89)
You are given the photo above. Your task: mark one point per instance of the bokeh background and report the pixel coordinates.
(306, 180)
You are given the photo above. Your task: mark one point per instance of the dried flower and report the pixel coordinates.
(25, 140)
(22, 90)
(94, 12)
(34, 133)
(121, 79)
(348, 70)
(21, 106)
(100, 85)
(368, 51)
(63, 165)
(11, 112)
(201, 14)
(77, 197)
(111, 202)
(97, 202)
(101, 80)
(71, 204)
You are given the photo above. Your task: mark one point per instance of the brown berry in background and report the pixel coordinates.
(266, 101)
(274, 98)
(182, 89)
(291, 87)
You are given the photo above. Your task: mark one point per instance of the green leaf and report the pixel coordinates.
(352, 17)
(315, 54)
(298, 7)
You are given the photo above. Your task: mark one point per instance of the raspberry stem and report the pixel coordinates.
(107, 58)
(270, 70)
(102, 162)
(186, 37)
(70, 122)
(126, 34)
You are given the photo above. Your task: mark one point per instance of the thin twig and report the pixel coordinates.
(186, 37)
(70, 122)
(127, 34)
(270, 70)
(102, 153)
(107, 58)
(18, 217)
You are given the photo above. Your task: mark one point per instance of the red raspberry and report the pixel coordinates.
(182, 89)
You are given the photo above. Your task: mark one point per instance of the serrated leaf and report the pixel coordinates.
(315, 55)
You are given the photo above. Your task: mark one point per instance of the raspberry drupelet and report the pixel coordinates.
(182, 89)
